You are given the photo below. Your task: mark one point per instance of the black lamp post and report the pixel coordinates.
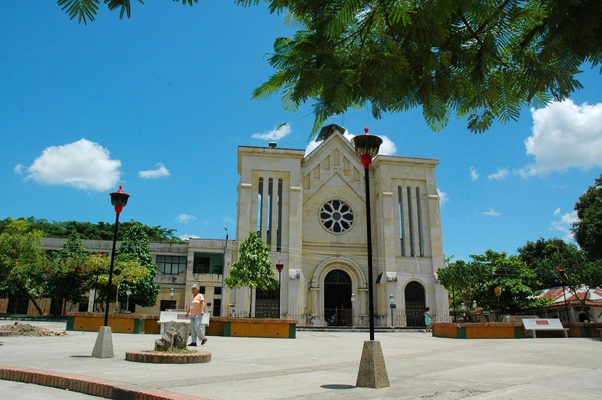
(366, 146)
(372, 372)
(119, 199)
(279, 267)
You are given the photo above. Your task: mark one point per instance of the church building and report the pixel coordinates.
(311, 211)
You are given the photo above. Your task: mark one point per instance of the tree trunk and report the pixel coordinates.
(30, 297)
(250, 301)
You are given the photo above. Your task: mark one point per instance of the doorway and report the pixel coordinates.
(415, 304)
(337, 298)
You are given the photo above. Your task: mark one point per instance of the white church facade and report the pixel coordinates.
(311, 211)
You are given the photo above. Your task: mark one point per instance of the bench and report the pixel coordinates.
(180, 316)
(533, 325)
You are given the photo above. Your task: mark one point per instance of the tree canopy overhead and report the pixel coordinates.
(85, 10)
(480, 59)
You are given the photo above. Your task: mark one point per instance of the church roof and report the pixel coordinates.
(328, 130)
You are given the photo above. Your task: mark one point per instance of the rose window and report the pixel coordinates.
(336, 216)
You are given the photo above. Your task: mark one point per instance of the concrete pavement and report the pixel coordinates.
(324, 365)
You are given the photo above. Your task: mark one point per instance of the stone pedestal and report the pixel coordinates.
(176, 335)
(103, 348)
(372, 372)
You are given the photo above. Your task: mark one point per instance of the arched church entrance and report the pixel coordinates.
(415, 304)
(337, 298)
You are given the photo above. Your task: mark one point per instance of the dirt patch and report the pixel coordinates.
(18, 329)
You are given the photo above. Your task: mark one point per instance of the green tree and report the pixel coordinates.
(21, 256)
(135, 247)
(253, 267)
(588, 228)
(547, 257)
(580, 272)
(66, 278)
(537, 256)
(477, 279)
(463, 280)
(97, 231)
(133, 269)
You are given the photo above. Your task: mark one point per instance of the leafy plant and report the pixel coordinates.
(253, 267)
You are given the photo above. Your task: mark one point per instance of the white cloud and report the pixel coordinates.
(387, 148)
(82, 164)
(18, 169)
(154, 173)
(184, 218)
(564, 225)
(474, 175)
(443, 198)
(565, 135)
(500, 175)
(187, 236)
(275, 134)
(491, 213)
(557, 211)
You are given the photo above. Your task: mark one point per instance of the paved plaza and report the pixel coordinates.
(321, 365)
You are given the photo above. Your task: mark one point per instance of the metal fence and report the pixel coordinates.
(398, 318)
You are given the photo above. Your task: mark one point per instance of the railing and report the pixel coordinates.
(399, 318)
(338, 317)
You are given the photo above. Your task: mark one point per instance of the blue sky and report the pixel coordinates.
(160, 103)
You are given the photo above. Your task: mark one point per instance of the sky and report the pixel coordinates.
(159, 103)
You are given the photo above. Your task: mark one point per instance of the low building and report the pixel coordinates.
(197, 261)
(580, 305)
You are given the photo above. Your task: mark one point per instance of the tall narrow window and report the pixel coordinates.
(419, 211)
(279, 231)
(269, 222)
(260, 206)
(400, 211)
(411, 221)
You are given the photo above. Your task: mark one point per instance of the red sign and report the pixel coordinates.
(543, 322)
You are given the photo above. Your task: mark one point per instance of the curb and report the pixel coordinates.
(83, 384)
(166, 358)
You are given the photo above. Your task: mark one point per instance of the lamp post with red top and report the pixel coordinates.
(372, 372)
(104, 344)
(279, 267)
(119, 199)
(366, 146)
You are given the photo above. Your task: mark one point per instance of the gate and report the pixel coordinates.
(267, 303)
(415, 304)
(337, 317)
(337, 298)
